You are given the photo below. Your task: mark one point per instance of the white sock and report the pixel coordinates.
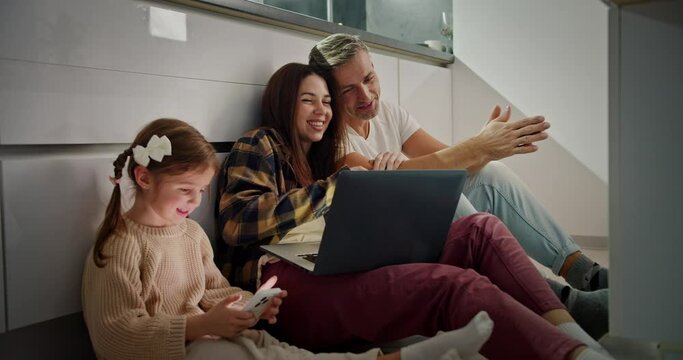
(451, 354)
(590, 354)
(574, 330)
(466, 341)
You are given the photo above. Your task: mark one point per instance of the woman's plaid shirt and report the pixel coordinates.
(260, 201)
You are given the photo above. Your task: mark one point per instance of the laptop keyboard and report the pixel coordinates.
(309, 257)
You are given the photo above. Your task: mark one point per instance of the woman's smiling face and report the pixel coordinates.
(313, 110)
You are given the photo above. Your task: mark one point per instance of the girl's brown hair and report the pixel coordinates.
(278, 107)
(190, 152)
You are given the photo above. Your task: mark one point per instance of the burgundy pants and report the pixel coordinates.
(482, 267)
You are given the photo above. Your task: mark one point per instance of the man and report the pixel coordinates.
(385, 136)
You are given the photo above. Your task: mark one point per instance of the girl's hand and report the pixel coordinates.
(226, 320)
(273, 308)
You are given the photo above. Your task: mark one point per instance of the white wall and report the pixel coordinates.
(80, 78)
(426, 94)
(570, 192)
(548, 58)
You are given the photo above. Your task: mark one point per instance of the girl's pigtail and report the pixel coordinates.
(112, 217)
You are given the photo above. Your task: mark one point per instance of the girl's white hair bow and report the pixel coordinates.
(157, 148)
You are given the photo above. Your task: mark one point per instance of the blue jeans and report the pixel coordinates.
(497, 190)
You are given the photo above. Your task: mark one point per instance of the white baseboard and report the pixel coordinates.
(623, 348)
(592, 242)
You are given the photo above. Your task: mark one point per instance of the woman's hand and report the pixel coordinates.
(387, 161)
(273, 308)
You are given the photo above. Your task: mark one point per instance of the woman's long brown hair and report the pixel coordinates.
(278, 107)
(190, 152)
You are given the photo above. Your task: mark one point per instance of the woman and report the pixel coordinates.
(283, 175)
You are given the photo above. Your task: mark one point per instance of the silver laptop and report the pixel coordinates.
(380, 218)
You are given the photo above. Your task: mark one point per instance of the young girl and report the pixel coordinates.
(150, 286)
(283, 175)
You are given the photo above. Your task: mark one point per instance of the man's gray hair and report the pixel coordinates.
(335, 50)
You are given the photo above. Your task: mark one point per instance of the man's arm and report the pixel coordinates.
(420, 144)
(421, 148)
(455, 157)
(466, 155)
(354, 159)
(497, 140)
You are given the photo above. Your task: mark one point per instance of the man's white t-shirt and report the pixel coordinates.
(388, 131)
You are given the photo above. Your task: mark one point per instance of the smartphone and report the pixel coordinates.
(257, 304)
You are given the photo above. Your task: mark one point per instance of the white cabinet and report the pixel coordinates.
(51, 209)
